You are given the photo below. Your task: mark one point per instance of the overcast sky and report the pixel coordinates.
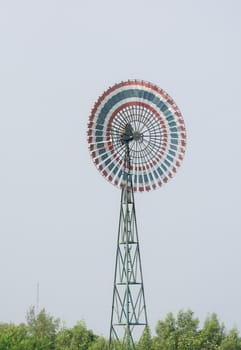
(58, 215)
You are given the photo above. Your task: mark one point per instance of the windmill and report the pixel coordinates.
(137, 139)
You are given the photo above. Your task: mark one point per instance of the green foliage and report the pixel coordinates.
(166, 334)
(183, 333)
(187, 331)
(212, 333)
(115, 345)
(100, 343)
(13, 337)
(81, 337)
(63, 339)
(231, 341)
(77, 338)
(42, 329)
(42, 332)
(179, 334)
(145, 342)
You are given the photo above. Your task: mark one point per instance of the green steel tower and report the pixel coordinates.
(128, 305)
(137, 140)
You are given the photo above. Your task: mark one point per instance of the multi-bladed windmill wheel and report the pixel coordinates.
(146, 118)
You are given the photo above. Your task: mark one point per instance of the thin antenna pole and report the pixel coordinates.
(37, 298)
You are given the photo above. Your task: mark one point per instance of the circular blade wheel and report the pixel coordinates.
(146, 118)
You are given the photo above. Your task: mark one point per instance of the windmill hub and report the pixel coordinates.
(137, 136)
(130, 135)
(127, 135)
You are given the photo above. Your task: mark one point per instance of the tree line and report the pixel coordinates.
(42, 331)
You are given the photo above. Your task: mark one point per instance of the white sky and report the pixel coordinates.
(58, 216)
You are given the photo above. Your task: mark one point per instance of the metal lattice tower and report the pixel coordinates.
(128, 305)
(137, 141)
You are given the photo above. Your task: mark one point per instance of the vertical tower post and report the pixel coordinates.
(128, 316)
